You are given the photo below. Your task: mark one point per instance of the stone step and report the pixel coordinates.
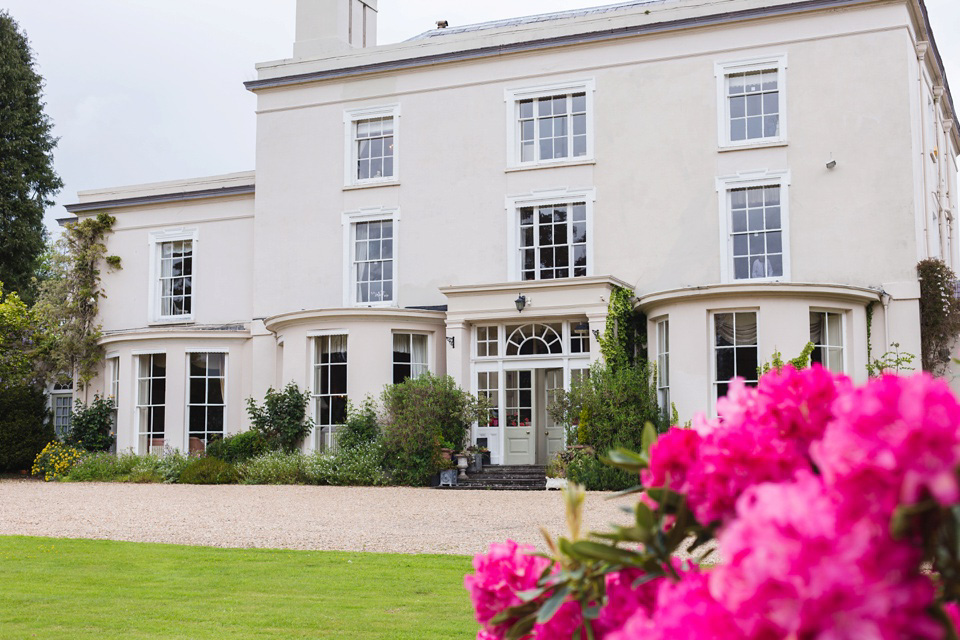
(495, 487)
(505, 478)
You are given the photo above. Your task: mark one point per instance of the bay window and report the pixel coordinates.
(409, 356)
(736, 349)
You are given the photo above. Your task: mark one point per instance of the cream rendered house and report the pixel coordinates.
(758, 172)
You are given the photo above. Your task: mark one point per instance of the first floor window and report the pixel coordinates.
(826, 334)
(753, 105)
(409, 356)
(373, 140)
(756, 232)
(205, 402)
(176, 278)
(553, 127)
(151, 401)
(736, 352)
(488, 386)
(663, 366)
(62, 413)
(373, 261)
(329, 385)
(553, 241)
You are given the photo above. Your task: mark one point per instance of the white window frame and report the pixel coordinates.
(724, 69)
(156, 241)
(113, 366)
(540, 198)
(663, 363)
(410, 334)
(843, 335)
(348, 221)
(765, 178)
(350, 119)
(513, 97)
(139, 404)
(186, 400)
(314, 338)
(61, 394)
(713, 348)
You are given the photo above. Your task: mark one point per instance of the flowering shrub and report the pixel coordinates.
(55, 460)
(828, 503)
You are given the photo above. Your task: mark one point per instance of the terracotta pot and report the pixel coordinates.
(446, 454)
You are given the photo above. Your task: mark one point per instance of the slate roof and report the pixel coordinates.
(543, 17)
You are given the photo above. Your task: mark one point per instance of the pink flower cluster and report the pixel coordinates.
(801, 476)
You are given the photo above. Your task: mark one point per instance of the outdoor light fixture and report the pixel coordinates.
(596, 333)
(452, 340)
(831, 164)
(521, 302)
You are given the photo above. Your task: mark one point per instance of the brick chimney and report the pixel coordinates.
(325, 27)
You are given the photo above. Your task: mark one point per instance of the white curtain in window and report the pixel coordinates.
(746, 328)
(419, 356)
(401, 343)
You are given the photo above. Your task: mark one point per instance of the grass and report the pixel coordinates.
(59, 588)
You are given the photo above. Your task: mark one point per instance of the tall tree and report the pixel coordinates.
(28, 181)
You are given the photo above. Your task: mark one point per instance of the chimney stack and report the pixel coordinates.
(326, 27)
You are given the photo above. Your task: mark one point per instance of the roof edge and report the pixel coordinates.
(199, 194)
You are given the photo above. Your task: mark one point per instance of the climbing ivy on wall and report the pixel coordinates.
(69, 301)
(939, 314)
(625, 337)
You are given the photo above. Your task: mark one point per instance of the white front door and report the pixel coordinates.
(519, 432)
(553, 431)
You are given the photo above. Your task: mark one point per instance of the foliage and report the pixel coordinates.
(939, 314)
(25, 426)
(895, 361)
(824, 499)
(357, 466)
(586, 469)
(609, 407)
(282, 419)
(800, 362)
(420, 414)
(274, 467)
(69, 301)
(171, 464)
(16, 341)
(267, 594)
(624, 336)
(209, 471)
(239, 447)
(55, 460)
(28, 180)
(91, 426)
(361, 427)
(129, 467)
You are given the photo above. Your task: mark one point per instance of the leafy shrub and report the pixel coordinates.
(939, 314)
(55, 461)
(274, 467)
(282, 420)
(171, 466)
(91, 426)
(103, 467)
(25, 426)
(419, 415)
(361, 427)
(209, 471)
(239, 447)
(359, 466)
(586, 469)
(609, 408)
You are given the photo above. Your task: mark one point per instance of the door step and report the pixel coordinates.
(504, 478)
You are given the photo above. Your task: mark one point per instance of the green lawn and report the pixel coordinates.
(56, 588)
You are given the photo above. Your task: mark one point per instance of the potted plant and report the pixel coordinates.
(448, 474)
(446, 451)
(476, 458)
(463, 460)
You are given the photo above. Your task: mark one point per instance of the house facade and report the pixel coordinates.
(760, 173)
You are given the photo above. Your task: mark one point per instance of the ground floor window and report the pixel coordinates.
(114, 363)
(663, 366)
(329, 386)
(62, 413)
(205, 400)
(736, 352)
(488, 386)
(826, 334)
(409, 356)
(151, 401)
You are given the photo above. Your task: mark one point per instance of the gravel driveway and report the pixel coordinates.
(394, 519)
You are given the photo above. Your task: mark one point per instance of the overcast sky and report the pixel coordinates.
(151, 90)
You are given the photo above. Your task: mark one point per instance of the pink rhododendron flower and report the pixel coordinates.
(563, 624)
(671, 458)
(499, 575)
(894, 441)
(623, 599)
(953, 614)
(684, 610)
(798, 568)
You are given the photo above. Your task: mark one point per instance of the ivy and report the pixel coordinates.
(939, 314)
(69, 302)
(625, 334)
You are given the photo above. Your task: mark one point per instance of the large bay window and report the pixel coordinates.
(151, 402)
(736, 349)
(206, 395)
(329, 386)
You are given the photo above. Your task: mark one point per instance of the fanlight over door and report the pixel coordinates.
(534, 340)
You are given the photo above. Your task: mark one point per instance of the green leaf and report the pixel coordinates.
(648, 438)
(552, 604)
(625, 459)
(644, 516)
(606, 553)
(522, 627)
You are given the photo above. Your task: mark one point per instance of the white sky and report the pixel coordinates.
(151, 90)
